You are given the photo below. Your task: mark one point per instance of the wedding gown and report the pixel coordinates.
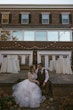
(27, 94)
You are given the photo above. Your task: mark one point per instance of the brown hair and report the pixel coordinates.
(40, 64)
(30, 69)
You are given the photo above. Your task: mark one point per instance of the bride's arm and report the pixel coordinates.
(32, 80)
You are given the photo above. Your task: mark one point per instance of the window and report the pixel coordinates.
(29, 36)
(65, 18)
(40, 36)
(5, 18)
(45, 18)
(17, 36)
(64, 36)
(52, 36)
(24, 18)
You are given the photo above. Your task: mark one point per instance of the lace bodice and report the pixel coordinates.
(34, 75)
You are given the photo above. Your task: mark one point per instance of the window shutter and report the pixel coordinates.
(0, 17)
(70, 18)
(50, 18)
(19, 18)
(10, 18)
(60, 18)
(29, 18)
(40, 18)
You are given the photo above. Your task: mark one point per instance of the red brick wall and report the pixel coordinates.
(35, 16)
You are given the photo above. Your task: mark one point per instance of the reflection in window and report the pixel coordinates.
(64, 36)
(29, 36)
(52, 36)
(40, 36)
(17, 36)
(5, 35)
(43, 60)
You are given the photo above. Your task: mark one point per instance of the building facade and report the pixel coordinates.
(36, 33)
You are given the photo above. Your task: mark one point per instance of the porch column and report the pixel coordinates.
(46, 61)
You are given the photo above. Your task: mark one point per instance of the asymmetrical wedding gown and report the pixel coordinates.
(27, 94)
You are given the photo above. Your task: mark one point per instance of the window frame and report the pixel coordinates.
(2, 18)
(46, 19)
(22, 14)
(65, 19)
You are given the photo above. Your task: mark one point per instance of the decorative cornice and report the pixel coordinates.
(17, 45)
(37, 6)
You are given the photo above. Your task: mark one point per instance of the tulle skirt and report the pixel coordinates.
(27, 94)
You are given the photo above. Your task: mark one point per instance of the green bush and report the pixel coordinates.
(6, 101)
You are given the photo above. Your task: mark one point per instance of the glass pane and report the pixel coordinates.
(17, 36)
(5, 35)
(65, 21)
(45, 21)
(52, 36)
(45, 16)
(24, 16)
(65, 16)
(29, 36)
(25, 20)
(64, 36)
(41, 36)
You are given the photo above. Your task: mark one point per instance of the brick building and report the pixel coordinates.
(36, 33)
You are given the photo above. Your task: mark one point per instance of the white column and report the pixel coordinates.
(30, 59)
(46, 61)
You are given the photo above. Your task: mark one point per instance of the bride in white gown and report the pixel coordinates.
(27, 93)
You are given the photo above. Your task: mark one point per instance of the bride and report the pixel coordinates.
(27, 93)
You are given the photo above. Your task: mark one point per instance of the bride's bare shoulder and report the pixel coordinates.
(29, 73)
